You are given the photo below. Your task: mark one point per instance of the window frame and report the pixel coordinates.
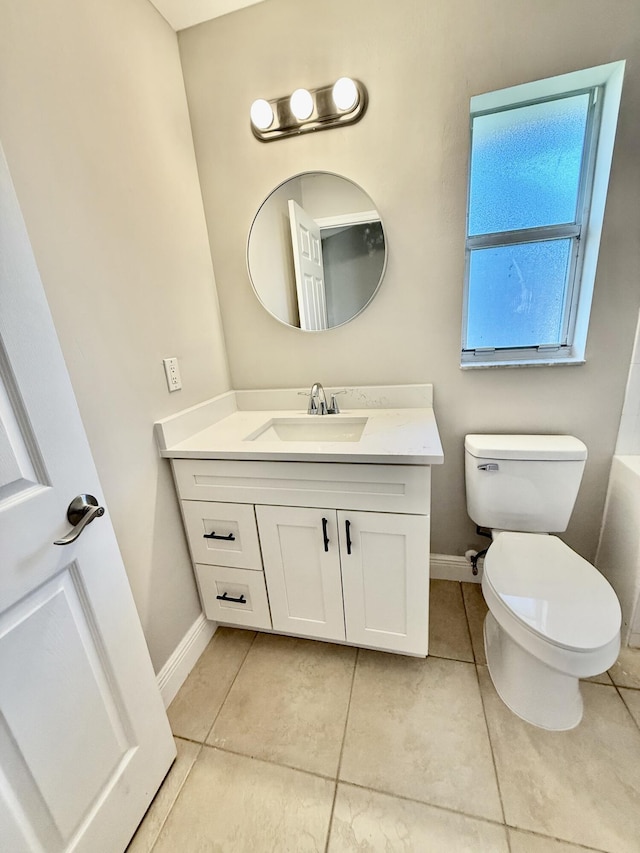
(604, 84)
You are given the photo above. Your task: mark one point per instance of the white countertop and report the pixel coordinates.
(392, 436)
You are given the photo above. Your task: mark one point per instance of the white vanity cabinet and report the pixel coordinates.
(334, 551)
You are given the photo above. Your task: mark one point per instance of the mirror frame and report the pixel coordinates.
(248, 241)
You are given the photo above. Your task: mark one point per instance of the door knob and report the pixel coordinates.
(82, 510)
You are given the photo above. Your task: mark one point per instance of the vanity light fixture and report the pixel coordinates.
(343, 102)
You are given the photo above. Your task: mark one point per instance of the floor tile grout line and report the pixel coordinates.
(457, 660)
(447, 809)
(466, 613)
(575, 844)
(466, 619)
(344, 738)
(493, 755)
(189, 739)
(175, 799)
(476, 817)
(233, 681)
(269, 761)
(617, 689)
(624, 686)
(486, 720)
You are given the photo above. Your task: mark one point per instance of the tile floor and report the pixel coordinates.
(294, 745)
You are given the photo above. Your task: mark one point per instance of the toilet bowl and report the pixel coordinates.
(553, 619)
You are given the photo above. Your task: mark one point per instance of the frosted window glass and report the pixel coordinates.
(517, 294)
(525, 165)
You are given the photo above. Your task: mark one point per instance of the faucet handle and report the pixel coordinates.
(334, 408)
(312, 408)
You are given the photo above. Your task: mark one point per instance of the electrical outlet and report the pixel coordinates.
(172, 372)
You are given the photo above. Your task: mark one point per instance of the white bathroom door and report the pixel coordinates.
(84, 739)
(309, 269)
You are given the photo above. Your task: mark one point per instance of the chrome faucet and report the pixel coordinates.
(318, 402)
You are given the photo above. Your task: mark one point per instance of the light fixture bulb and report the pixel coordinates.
(301, 104)
(261, 114)
(345, 93)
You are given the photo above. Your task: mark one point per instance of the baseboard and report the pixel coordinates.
(175, 671)
(449, 568)
(634, 640)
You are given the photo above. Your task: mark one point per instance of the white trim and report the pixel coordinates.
(547, 88)
(634, 641)
(527, 359)
(184, 657)
(446, 567)
(360, 218)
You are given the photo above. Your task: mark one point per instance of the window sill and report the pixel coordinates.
(531, 362)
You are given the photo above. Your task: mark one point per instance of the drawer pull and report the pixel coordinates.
(324, 534)
(347, 526)
(214, 535)
(225, 597)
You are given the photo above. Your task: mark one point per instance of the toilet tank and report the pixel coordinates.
(526, 483)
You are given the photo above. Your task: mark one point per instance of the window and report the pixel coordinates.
(539, 166)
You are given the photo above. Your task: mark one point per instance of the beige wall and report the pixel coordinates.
(421, 62)
(94, 124)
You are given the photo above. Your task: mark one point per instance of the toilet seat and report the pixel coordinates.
(552, 592)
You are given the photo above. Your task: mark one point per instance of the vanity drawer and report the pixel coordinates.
(252, 607)
(222, 534)
(382, 488)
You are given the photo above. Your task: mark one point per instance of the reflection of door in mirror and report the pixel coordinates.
(353, 253)
(309, 271)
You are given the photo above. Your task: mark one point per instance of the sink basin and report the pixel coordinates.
(312, 428)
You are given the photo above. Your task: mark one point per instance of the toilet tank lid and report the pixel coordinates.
(543, 447)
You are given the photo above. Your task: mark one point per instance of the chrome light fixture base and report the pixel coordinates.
(324, 115)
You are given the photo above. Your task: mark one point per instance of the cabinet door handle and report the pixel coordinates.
(324, 534)
(347, 526)
(214, 535)
(225, 597)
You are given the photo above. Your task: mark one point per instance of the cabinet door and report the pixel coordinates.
(302, 568)
(385, 578)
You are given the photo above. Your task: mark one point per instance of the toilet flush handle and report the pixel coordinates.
(489, 466)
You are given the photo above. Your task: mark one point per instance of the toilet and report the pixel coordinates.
(553, 618)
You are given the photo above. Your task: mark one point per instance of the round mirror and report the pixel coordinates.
(316, 251)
